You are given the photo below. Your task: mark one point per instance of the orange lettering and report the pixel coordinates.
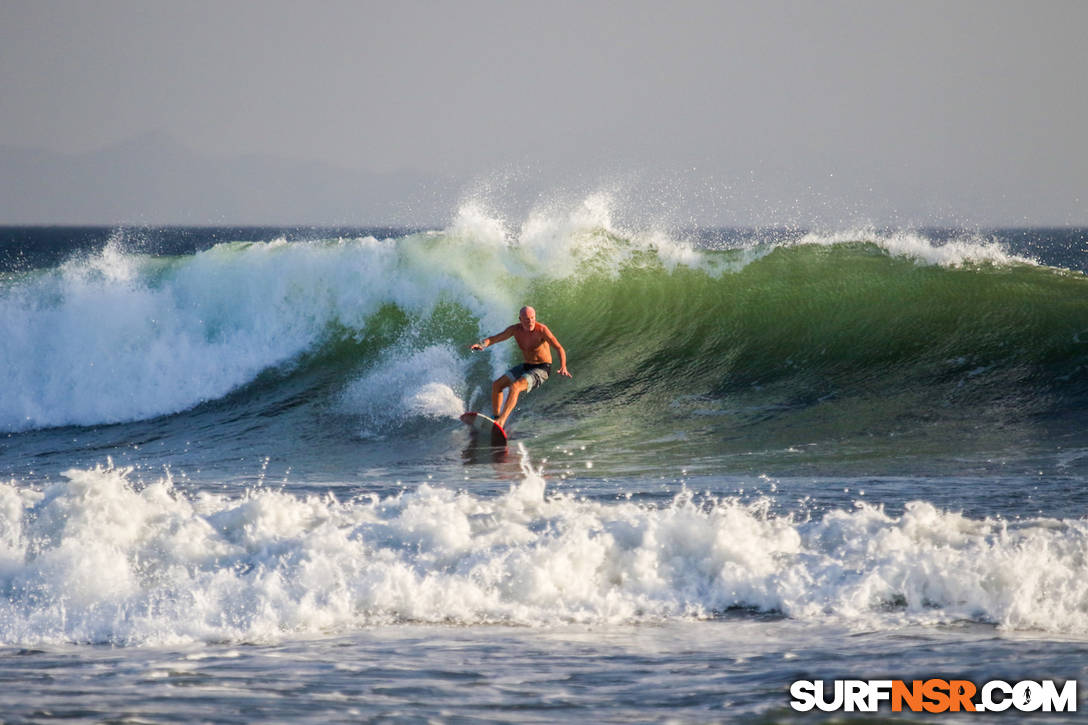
(937, 691)
(911, 695)
(961, 693)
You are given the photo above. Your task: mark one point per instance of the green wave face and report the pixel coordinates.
(811, 344)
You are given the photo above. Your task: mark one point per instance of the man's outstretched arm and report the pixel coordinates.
(488, 341)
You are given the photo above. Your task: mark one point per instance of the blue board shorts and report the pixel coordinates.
(533, 373)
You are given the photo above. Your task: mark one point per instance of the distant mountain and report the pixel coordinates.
(154, 179)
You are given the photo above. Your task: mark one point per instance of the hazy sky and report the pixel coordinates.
(825, 112)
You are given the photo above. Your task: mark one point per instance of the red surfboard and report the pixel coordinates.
(485, 427)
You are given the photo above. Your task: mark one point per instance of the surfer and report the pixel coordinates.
(535, 340)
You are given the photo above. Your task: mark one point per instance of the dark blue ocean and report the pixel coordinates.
(233, 485)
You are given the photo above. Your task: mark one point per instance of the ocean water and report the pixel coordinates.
(233, 485)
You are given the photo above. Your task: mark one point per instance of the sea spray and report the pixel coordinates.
(407, 385)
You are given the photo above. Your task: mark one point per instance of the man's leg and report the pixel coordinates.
(496, 394)
(516, 389)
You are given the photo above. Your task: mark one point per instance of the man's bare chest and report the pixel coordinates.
(530, 340)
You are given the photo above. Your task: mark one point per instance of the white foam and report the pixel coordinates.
(96, 558)
(965, 249)
(121, 337)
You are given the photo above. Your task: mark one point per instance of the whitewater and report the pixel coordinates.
(96, 560)
(234, 486)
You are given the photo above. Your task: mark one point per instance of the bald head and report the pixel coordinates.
(527, 317)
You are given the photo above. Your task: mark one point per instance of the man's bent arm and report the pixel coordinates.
(562, 353)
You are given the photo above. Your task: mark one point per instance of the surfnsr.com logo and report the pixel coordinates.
(934, 695)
